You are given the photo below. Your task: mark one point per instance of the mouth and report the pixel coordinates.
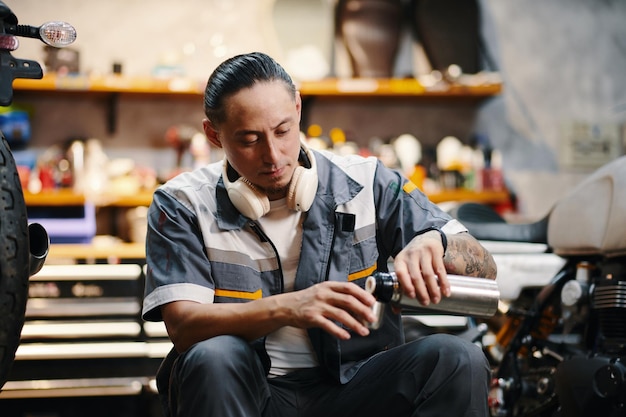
(274, 174)
(275, 182)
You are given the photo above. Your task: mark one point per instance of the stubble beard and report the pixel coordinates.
(276, 191)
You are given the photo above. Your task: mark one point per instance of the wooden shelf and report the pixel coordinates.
(66, 197)
(393, 88)
(113, 86)
(113, 251)
(61, 197)
(332, 87)
(110, 84)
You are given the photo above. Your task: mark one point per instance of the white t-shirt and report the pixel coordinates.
(289, 348)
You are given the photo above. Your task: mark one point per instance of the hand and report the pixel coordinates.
(420, 269)
(325, 304)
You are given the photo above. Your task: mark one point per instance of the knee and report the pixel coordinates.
(216, 373)
(459, 373)
(458, 353)
(451, 344)
(220, 348)
(217, 357)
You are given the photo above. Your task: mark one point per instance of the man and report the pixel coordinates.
(257, 266)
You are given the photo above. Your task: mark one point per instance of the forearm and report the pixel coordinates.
(466, 256)
(189, 322)
(335, 307)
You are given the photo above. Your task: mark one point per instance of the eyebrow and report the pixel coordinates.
(244, 132)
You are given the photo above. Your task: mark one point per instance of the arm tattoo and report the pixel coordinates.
(466, 256)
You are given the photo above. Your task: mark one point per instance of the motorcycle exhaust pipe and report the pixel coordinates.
(469, 296)
(39, 243)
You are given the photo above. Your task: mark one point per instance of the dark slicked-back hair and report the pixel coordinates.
(237, 73)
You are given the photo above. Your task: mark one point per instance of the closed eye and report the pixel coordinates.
(247, 139)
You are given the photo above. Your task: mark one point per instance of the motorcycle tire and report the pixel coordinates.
(14, 260)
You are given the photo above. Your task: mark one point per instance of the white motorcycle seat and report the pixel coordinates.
(591, 219)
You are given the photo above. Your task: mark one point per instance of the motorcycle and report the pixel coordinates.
(23, 246)
(560, 348)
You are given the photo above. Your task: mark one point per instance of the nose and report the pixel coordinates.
(271, 151)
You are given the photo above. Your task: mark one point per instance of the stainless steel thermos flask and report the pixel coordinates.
(469, 296)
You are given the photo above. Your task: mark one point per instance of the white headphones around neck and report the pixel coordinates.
(253, 203)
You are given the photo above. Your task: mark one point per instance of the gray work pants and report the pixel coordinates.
(439, 375)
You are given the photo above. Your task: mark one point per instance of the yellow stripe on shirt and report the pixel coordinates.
(362, 274)
(246, 295)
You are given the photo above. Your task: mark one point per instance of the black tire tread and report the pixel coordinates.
(14, 257)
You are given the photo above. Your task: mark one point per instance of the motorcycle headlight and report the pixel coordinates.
(57, 34)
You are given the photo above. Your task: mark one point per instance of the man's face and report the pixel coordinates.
(261, 135)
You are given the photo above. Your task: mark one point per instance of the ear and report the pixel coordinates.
(211, 133)
(299, 105)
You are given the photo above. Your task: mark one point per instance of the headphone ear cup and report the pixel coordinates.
(302, 189)
(249, 201)
(245, 197)
(303, 186)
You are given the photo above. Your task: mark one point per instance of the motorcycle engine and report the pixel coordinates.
(594, 382)
(609, 301)
(574, 359)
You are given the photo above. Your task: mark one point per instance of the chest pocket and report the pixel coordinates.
(351, 258)
(237, 283)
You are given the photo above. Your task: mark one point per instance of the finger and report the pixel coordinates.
(345, 303)
(355, 310)
(444, 283)
(319, 314)
(404, 278)
(348, 321)
(431, 282)
(421, 291)
(416, 279)
(333, 329)
(418, 276)
(430, 278)
(362, 296)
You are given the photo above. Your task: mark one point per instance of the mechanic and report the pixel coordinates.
(257, 266)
